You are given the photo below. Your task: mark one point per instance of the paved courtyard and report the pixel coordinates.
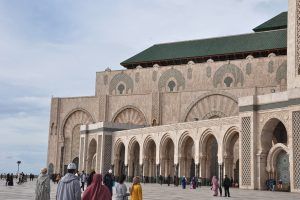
(153, 192)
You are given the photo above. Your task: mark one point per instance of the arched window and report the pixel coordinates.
(228, 80)
(171, 86)
(121, 88)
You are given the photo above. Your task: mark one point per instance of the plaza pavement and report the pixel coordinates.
(153, 192)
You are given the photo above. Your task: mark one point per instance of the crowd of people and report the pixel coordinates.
(75, 185)
(20, 178)
(98, 187)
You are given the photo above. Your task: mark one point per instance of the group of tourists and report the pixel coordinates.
(9, 180)
(20, 178)
(98, 187)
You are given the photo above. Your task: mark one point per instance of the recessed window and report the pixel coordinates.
(228, 81)
(121, 88)
(171, 86)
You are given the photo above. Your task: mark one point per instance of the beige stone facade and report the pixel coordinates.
(239, 117)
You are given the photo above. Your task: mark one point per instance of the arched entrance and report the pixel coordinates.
(120, 159)
(209, 156)
(275, 166)
(134, 159)
(150, 160)
(91, 164)
(186, 157)
(231, 154)
(167, 157)
(76, 161)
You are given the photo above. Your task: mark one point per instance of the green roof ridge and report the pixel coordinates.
(277, 22)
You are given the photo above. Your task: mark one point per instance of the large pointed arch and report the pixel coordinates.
(212, 105)
(71, 133)
(130, 115)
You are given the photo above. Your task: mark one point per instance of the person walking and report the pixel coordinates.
(90, 178)
(97, 190)
(42, 189)
(183, 182)
(160, 180)
(136, 189)
(69, 186)
(83, 180)
(215, 185)
(121, 189)
(227, 184)
(109, 180)
(169, 180)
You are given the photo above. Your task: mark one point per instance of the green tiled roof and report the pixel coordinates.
(277, 22)
(259, 41)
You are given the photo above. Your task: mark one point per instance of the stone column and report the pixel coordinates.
(221, 173)
(203, 166)
(126, 173)
(261, 160)
(197, 170)
(157, 172)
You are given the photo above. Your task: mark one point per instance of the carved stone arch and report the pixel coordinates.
(118, 145)
(281, 73)
(73, 112)
(212, 105)
(125, 79)
(168, 75)
(229, 70)
(147, 140)
(71, 133)
(131, 144)
(272, 156)
(183, 138)
(164, 139)
(266, 136)
(203, 140)
(230, 136)
(130, 115)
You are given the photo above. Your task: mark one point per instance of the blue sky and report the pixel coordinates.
(54, 47)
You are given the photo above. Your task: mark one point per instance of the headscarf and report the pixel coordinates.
(97, 191)
(136, 180)
(214, 180)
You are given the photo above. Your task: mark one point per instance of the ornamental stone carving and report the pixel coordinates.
(171, 74)
(228, 71)
(121, 78)
(281, 73)
(298, 37)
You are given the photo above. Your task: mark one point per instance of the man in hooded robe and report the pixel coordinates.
(42, 190)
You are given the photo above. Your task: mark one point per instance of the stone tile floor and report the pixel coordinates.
(154, 192)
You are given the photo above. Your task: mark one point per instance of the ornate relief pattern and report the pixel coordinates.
(122, 77)
(137, 77)
(130, 116)
(212, 106)
(171, 73)
(190, 73)
(281, 72)
(105, 79)
(226, 69)
(208, 71)
(246, 151)
(154, 75)
(298, 37)
(107, 153)
(248, 68)
(155, 107)
(296, 147)
(271, 67)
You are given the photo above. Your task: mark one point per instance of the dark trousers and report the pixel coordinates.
(82, 186)
(227, 191)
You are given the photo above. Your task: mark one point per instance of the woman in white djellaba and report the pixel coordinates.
(42, 190)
